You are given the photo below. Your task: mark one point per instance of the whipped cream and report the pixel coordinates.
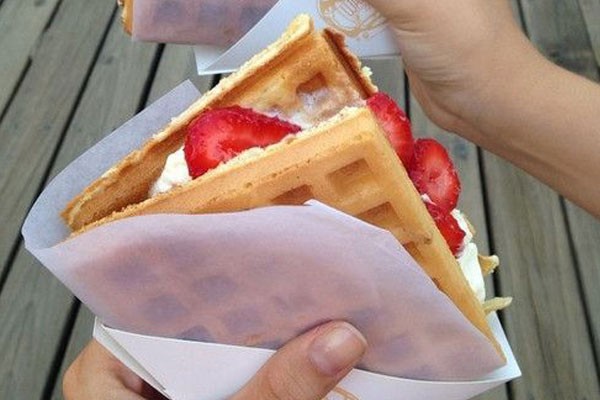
(469, 263)
(175, 173)
(468, 255)
(464, 226)
(468, 258)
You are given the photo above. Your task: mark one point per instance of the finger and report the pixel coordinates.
(97, 375)
(308, 367)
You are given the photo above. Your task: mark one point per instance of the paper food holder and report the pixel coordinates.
(185, 370)
(365, 29)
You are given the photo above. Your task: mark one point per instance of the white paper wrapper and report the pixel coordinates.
(366, 32)
(186, 370)
(255, 278)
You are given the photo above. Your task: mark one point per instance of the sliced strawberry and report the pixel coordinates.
(395, 123)
(433, 173)
(218, 135)
(448, 226)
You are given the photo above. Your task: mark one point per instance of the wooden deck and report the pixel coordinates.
(68, 76)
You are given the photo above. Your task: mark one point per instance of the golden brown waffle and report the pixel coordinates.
(347, 163)
(305, 74)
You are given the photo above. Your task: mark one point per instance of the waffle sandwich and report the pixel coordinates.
(211, 22)
(342, 158)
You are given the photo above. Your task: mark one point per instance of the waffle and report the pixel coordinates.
(306, 76)
(344, 161)
(347, 163)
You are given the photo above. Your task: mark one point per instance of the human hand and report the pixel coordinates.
(97, 375)
(476, 74)
(307, 368)
(456, 53)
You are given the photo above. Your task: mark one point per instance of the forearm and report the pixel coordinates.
(546, 121)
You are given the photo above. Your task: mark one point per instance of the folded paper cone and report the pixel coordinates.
(172, 368)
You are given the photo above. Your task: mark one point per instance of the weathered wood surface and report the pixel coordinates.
(33, 125)
(590, 9)
(560, 361)
(176, 65)
(72, 76)
(17, 43)
(33, 307)
(583, 230)
(78, 339)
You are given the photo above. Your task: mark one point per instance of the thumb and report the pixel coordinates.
(308, 367)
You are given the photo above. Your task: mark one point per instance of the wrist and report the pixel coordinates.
(496, 87)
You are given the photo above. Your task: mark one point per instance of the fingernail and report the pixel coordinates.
(337, 349)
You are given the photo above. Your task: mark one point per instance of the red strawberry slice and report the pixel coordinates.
(433, 173)
(448, 226)
(218, 135)
(395, 123)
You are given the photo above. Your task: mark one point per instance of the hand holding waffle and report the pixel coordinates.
(476, 74)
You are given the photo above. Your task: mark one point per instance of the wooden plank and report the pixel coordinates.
(112, 95)
(388, 75)
(177, 65)
(34, 123)
(33, 310)
(584, 228)
(558, 30)
(546, 323)
(585, 231)
(18, 42)
(590, 9)
(81, 335)
(33, 305)
(566, 28)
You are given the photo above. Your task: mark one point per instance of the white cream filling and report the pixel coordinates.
(468, 258)
(175, 173)
(468, 255)
(464, 226)
(469, 263)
